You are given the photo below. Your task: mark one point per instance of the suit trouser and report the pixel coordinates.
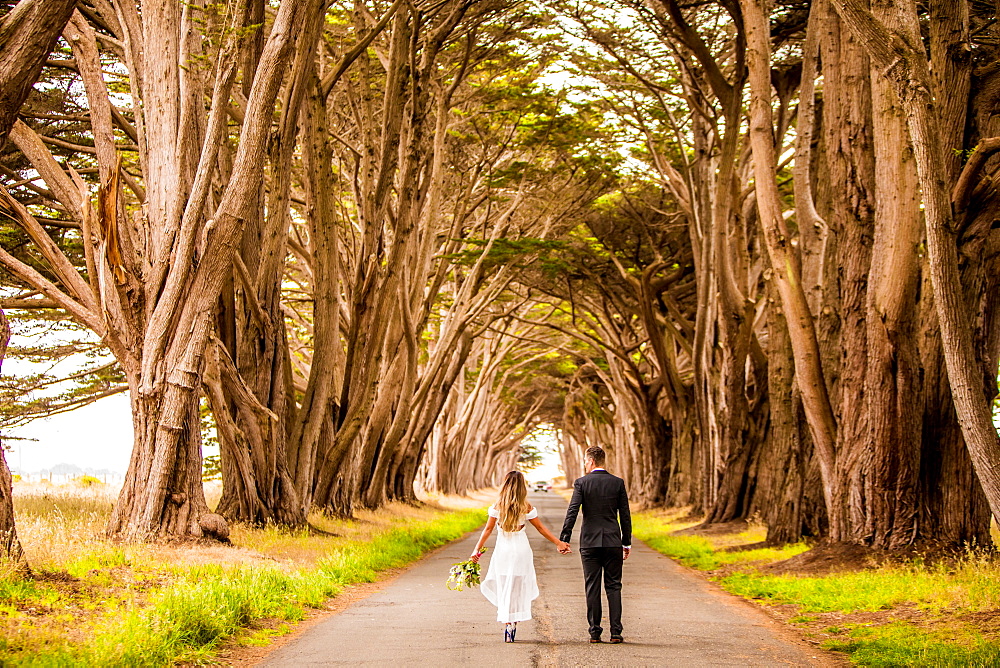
(606, 561)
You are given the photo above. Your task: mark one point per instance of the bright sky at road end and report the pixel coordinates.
(551, 466)
(549, 469)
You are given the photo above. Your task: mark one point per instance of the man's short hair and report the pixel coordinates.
(596, 453)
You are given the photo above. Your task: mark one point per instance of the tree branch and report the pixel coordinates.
(966, 183)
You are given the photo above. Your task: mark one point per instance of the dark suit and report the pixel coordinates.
(605, 502)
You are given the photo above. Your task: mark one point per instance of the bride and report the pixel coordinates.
(510, 582)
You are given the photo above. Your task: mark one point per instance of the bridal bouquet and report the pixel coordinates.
(464, 574)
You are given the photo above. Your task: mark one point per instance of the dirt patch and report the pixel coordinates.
(826, 559)
(819, 627)
(717, 529)
(745, 547)
(58, 577)
(986, 622)
(730, 569)
(208, 553)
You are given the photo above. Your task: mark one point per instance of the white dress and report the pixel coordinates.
(510, 582)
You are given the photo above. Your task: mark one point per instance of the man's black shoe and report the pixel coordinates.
(616, 639)
(597, 639)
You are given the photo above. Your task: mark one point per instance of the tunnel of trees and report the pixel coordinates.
(752, 248)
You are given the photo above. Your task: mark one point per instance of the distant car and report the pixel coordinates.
(542, 486)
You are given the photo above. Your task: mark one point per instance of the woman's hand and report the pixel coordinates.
(564, 547)
(475, 557)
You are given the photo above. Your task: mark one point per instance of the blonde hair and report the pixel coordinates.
(513, 502)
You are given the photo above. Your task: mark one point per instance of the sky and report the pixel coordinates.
(551, 466)
(98, 436)
(549, 469)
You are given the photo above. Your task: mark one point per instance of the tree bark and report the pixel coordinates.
(786, 454)
(899, 54)
(787, 274)
(258, 393)
(10, 546)
(162, 495)
(954, 509)
(886, 498)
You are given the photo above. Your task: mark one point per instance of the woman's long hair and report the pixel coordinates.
(513, 501)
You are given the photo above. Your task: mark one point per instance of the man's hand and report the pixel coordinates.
(625, 552)
(564, 548)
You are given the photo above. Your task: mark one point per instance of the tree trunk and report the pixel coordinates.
(257, 485)
(163, 495)
(787, 273)
(258, 392)
(847, 196)
(10, 546)
(885, 501)
(900, 57)
(953, 508)
(786, 453)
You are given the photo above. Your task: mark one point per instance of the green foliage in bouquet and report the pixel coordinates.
(464, 574)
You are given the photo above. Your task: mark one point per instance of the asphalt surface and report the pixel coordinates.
(671, 618)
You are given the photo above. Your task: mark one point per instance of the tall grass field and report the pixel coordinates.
(92, 602)
(903, 613)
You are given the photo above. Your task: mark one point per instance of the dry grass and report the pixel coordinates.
(58, 524)
(307, 548)
(478, 499)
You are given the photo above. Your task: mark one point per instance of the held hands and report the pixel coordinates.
(564, 547)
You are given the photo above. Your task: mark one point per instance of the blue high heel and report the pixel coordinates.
(508, 633)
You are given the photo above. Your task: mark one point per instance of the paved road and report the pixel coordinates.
(671, 618)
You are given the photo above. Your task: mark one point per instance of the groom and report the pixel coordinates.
(604, 545)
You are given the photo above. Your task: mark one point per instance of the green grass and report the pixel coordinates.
(697, 552)
(703, 553)
(970, 585)
(106, 604)
(900, 644)
(871, 590)
(934, 595)
(187, 621)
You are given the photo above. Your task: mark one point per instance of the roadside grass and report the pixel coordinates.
(706, 553)
(902, 644)
(93, 602)
(910, 613)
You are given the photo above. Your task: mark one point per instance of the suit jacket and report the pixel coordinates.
(604, 501)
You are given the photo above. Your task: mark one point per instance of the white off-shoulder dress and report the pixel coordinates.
(510, 582)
